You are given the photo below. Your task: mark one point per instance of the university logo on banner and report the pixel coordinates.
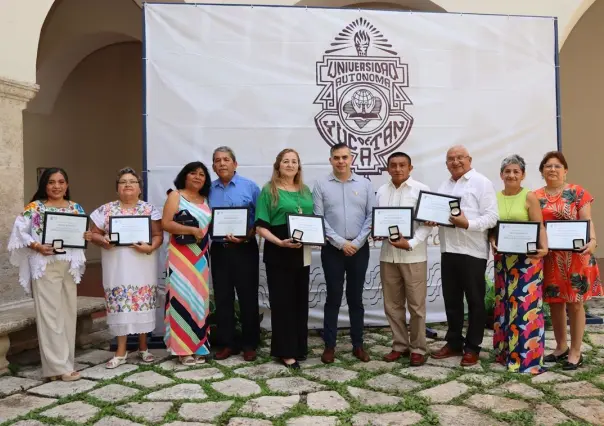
(363, 98)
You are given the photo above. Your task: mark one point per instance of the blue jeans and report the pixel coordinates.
(336, 266)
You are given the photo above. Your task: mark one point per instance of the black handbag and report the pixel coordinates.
(184, 217)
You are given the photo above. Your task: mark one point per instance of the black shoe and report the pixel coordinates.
(556, 358)
(569, 366)
(292, 366)
(301, 358)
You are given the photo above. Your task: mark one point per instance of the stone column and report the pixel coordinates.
(14, 96)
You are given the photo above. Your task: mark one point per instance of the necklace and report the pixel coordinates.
(552, 197)
(505, 202)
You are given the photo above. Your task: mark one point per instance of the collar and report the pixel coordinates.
(218, 183)
(467, 176)
(409, 182)
(353, 176)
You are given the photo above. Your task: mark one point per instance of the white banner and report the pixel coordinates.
(260, 79)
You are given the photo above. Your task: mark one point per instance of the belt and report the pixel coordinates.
(227, 244)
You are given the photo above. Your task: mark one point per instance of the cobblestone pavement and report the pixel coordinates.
(349, 392)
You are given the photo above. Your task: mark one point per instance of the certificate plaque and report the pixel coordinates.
(517, 237)
(68, 228)
(435, 207)
(567, 234)
(230, 220)
(386, 217)
(130, 230)
(307, 229)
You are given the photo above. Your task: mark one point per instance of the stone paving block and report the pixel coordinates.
(270, 406)
(20, 404)
(293, 385)
(329, 401)
(479, 379)
(237, 387)
(35, 372)
(371, 398)
(178, 423)
(463, 416)
(315, 362)
(387, 419)
(445, 392)
(244, 421)
(313, 420)
(391, 383)
(374, 366)
(148, 379)
(153, 412)
(232, 361)
(546, 415)
(204, 411)
(94, 356)
(28, 423)
(60, 389)
(589, 410)
(200, 374)
(332, 374)
(380, 349)
(517, 388)
(115, 421)
(596, 339)
(175, 365)
(10, 385)
(159, 354)
(497, 404)
(113, 393)
(262, 371)
(427, 372)
(453, 362)
(99, 372)
(77, 411)
(550, 377)
(578, 389)
(178, 392)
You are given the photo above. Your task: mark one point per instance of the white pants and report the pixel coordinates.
(55, 297)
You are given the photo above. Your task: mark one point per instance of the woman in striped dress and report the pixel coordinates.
(187, 290)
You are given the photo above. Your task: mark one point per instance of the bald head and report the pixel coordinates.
(459, 161)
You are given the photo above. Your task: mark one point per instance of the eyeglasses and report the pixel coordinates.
(128, 182)
(553, 166)
(458, 158)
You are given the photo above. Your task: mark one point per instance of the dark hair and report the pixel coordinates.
(553, 154)
(398, 154)
(43, 182)
(181, 178)
(128, 171)
(337, 146)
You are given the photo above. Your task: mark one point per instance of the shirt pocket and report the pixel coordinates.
(470, 202)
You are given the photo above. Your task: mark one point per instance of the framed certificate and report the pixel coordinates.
(517, 237)
(129, 230)
(68, 228)
(386, 217)
(567, 235)
(306, 229)
(435, 207)
(230, 220)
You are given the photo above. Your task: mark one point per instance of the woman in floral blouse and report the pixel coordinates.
(570, 278)
(54, 276)
(129, 272)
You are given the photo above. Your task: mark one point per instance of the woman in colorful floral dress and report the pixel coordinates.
(129, 273)
(54, 276)
(519, 333)
(187, 282)
(570, 278)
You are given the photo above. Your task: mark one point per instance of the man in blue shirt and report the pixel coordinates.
(235, 261)
(346, 200)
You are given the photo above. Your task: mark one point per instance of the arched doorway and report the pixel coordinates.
(582, 96)
(87, 115)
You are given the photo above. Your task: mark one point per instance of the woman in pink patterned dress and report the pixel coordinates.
(129, 272)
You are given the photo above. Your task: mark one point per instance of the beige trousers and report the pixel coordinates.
(55, 297)
(405, 284)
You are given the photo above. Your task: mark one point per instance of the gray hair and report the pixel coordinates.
(224, 149)
(513, 159)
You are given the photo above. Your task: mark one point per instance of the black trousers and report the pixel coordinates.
(288, 296)
(235, 267)
(463, 275)
(336, 266)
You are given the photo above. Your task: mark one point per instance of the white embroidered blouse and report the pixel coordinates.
(29, 228)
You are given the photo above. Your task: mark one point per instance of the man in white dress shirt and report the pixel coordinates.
(404, 266)
(465, 250)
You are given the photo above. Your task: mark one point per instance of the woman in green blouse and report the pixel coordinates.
(287, 263)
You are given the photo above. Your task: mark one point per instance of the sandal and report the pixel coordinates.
(71, 377)
(116, 361)
(146, 356)
(200, 359)
(187, 361)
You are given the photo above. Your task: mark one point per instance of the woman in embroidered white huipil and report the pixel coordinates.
(129, 273)
(54, 276)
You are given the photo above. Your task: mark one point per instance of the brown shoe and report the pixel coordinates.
(361, 354)
(394, 355)
(328, 355)
(223, 354)
(446, 352)
(249, 355)
(417, 360)
(469, 359)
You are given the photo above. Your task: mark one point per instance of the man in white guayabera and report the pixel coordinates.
(465, 250)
